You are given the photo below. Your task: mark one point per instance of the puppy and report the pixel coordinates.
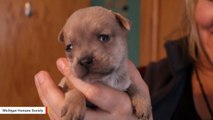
(95, 40)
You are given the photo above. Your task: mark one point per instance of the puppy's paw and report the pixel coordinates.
(140, 102)
(72, 112)
(74, 107)
(141, 107)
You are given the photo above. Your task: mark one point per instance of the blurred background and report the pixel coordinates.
(28, 40)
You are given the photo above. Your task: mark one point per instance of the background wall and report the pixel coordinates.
(161, 21)
(28, 45)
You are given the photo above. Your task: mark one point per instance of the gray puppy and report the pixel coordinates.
(95, 40)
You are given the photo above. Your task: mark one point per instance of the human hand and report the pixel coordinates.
(112, 104)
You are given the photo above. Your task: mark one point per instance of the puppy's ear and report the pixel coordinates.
(124, 22)
(61, 36)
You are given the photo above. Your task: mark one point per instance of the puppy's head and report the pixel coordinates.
(95, 40)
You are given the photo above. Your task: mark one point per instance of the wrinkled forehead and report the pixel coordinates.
(90, 18)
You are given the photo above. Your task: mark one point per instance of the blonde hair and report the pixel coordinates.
(188, 28)
(191, 29)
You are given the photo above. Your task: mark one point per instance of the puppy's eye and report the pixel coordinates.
(103, 37)
(69, 47)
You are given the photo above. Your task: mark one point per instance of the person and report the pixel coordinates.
(180, 85)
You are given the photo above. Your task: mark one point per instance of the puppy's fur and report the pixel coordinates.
(95, 40)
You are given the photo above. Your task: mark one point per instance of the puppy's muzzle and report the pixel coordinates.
(86, 62)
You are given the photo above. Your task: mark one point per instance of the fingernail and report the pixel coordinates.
(61, 63)
(39, 78)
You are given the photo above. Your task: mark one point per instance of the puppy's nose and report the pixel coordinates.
(86, 61)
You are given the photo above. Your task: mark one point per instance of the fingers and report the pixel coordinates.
(50, 94)
(134, 73)
(96, 115)
(102, 115)
(136, 77)
(104, 97)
